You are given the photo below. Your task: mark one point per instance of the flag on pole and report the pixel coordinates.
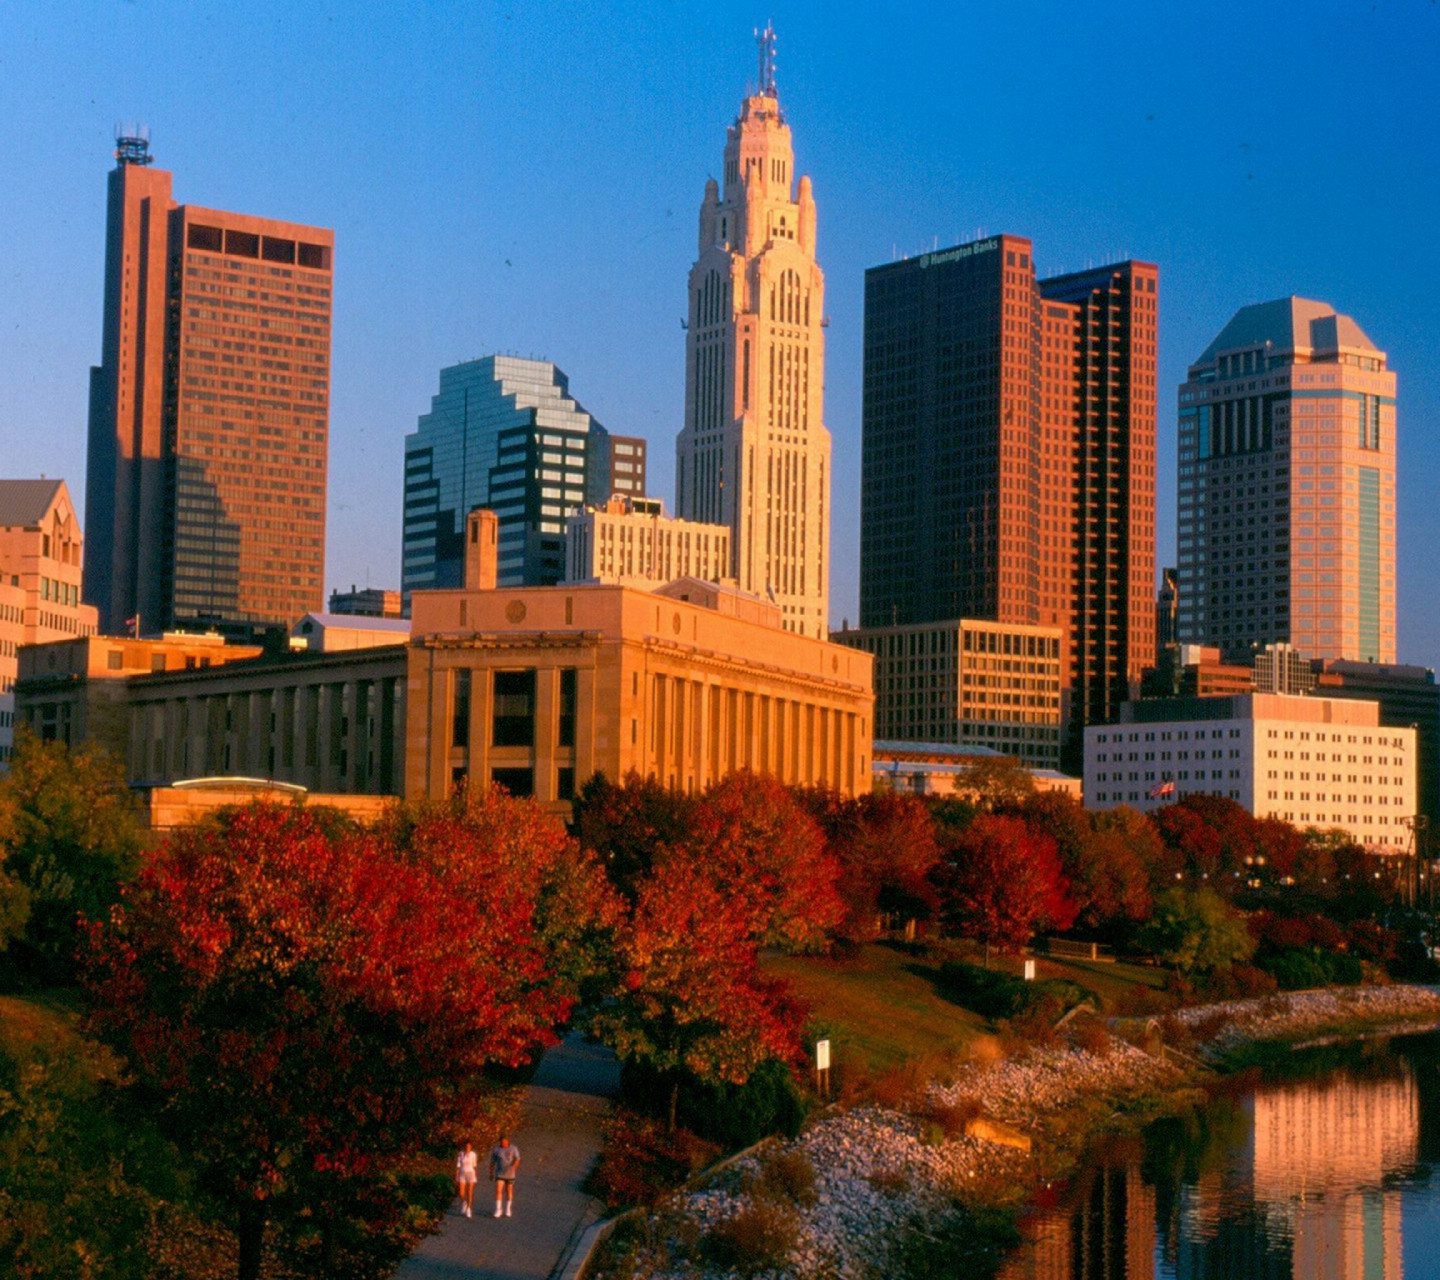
(1162, 789)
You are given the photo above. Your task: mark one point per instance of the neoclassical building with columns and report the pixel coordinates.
(534, 688)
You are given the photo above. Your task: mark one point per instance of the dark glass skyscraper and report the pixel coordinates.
(1008, 458)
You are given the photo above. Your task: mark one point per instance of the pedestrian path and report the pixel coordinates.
(559, 1137)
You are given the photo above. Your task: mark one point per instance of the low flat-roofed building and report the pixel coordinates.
(1195, 671)
(941, 769)
(75, 691)
(334, 633)
(631, 541)
(1313, 762)
(967, 682)
(535, 688)
(367, 602)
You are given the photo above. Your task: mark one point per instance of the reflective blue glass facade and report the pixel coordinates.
(504, 433)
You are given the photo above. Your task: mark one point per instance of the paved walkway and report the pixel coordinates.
(559, 1138)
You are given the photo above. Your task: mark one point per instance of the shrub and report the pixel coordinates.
(1295, 968)
(951, 1118)
(1034, 1028)
(1238, 982)
(786, 1177)
(757, 1237)
(1090, 1036)
(640, 1162)
(995, 994)
(733, 1116)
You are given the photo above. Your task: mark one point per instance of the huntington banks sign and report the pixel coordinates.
(964, 251)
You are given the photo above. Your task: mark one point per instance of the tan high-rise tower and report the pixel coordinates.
(754, 453)
(209, 412)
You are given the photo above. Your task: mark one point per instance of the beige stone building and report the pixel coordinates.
(79, 690)
(535, 688)
(540, 688)
(754, 453)
(41, 554)
(632, 542)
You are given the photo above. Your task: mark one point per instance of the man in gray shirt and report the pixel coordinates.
(504, 1165)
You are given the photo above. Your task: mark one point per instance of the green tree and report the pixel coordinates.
(1197, 931)
(72, 837)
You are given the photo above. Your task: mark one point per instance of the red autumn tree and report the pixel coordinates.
(1112, 878)
(690, 996)
(756, 843)
(629, 825)
(1000, 882)
(307, 1006)
(886, 849)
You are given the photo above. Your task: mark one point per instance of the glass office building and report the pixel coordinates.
(504, 433)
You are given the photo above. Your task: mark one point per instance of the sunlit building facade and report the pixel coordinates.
(1287, 486)
(209, 412)
(754, 453)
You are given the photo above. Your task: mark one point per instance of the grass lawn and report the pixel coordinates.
(884, 1006)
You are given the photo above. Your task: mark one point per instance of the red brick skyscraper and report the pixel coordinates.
(209, 414)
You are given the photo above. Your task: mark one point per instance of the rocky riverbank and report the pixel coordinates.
(837, 1200)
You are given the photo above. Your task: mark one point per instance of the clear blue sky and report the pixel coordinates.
(525, 176)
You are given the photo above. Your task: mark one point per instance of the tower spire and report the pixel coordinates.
(765, 42)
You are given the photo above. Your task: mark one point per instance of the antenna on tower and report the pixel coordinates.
(765, 42)
(132, 144)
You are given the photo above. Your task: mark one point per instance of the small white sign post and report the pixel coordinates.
(1029, 971)
(822, 1068)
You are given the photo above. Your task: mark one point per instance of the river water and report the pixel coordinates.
(1320, 1172)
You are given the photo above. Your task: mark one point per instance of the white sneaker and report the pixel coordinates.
(467, 1210)
(497, 1210)
(508, 1207)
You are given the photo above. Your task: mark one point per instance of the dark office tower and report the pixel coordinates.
(1008, 459)
(209, 412)
(1167, 610)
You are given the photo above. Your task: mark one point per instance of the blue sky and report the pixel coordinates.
(525, 176)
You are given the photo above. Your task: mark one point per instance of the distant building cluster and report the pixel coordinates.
(552, 620)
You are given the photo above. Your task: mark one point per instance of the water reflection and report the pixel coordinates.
(1309, 1177)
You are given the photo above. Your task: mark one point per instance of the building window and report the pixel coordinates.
(514, 720)
(518, 782)
(565, 783)
(460, 709)
(568, 683)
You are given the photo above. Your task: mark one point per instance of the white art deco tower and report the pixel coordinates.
(754, 453)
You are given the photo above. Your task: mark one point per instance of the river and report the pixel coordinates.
(1319, 1172)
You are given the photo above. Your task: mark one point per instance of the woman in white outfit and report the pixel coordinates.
(466, 1168)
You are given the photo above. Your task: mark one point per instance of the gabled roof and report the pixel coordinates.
(25, 502)
(1289, 324)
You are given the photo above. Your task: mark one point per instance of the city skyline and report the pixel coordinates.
(468, 227)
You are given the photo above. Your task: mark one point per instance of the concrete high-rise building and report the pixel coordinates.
(505, 433)
(754, 453)
(633, 542)
(991, 685)
(1287, 486)
(41, 553)
(209, 411)
(1008, 458)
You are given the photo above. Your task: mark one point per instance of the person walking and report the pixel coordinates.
(504, 1165)
(466, 1170)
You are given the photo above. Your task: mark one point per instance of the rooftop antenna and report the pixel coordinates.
(132, 144)
(765, 42)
